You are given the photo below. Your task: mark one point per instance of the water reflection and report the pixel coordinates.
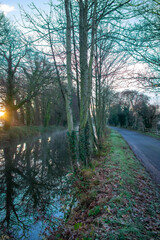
(32, 184)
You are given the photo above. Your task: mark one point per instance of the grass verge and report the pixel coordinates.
(150, 134)
(116, 198)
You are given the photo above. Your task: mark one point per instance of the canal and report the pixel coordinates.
(34, 192)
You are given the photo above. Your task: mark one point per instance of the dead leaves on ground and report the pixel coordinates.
(112, 207)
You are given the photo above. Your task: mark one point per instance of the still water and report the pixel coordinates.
(33, 186)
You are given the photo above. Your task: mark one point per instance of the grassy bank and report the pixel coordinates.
(21, 132)
(149, 132)
(116, 198)
(152, 134)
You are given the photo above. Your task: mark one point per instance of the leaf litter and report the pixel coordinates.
(116, 198)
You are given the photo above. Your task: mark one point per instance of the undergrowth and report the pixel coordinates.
(116, 198)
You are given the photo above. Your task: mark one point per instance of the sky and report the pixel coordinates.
(11, 7)
(12, 11)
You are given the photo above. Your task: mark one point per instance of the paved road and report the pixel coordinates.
(146, 149)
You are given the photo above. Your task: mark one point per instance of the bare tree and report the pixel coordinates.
(11, 54)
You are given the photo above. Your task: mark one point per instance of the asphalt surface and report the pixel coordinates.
(146, 149)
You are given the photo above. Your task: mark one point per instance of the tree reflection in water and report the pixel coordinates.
(32, 184)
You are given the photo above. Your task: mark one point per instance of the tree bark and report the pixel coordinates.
(86, 76)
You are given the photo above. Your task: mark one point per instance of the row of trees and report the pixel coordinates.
(29, 89)
(132, 109)
(73, 61)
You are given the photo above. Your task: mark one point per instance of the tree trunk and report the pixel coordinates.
(9, 117)
(68, 95)
(28, 113)
(83, 43)
(9, 96)
(86, 77)
(76, 60)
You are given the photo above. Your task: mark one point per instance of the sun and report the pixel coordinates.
(1, 113)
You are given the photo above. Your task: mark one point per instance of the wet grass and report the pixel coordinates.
(134, 202)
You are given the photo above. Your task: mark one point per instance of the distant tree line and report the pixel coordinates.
(132, 110)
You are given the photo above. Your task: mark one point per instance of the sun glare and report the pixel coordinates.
(1, 114)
